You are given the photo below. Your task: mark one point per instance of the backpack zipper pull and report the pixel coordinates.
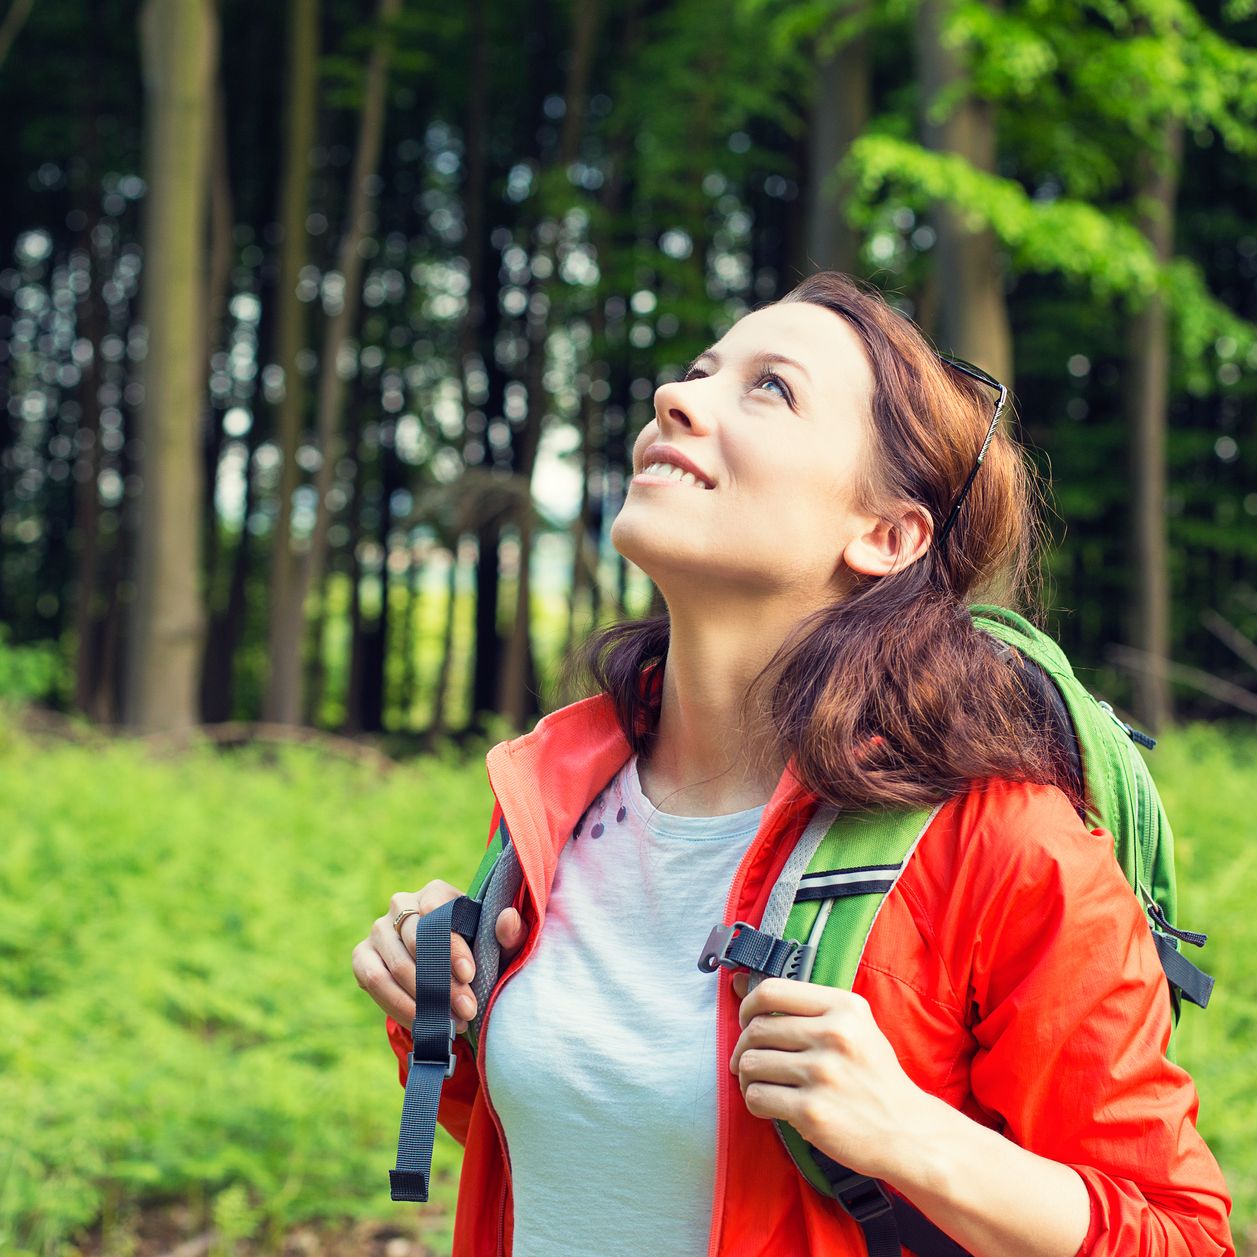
(1136, 735)
(1188, 936)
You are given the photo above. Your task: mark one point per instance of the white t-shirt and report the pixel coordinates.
(600, 1054)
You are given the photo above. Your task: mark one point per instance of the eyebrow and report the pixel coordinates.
(775, 358)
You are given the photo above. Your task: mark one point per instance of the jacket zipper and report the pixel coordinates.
(484, 1085)
(724, 1079)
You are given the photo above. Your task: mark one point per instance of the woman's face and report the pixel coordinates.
(774, 419)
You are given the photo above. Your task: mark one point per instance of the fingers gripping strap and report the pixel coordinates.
(431, 1059)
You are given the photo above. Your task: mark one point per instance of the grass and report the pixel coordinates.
(178, 1020)
(1207, 776)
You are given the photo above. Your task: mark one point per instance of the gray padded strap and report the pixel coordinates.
(781, 901)
(782, 898)
(498, 892)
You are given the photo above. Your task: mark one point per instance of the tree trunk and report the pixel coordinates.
(226, 624)
(359, 626)
(87, 659)
(217, 296)
(1147, 395)
(375, 662)
(13, 22)
(840, 111)
(179, 40)
(440, 696)
(519, 698)
(285, 610)
(973, 312)
(331, 399)
(477, 335)
(410, 639)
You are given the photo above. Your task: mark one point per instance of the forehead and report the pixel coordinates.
(822, 341)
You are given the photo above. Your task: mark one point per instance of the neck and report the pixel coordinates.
(714, 753)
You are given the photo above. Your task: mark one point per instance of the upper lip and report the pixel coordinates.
(670, 454)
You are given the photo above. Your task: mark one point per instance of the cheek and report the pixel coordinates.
(648, 434)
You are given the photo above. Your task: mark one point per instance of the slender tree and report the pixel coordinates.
(339, 327)
(518, 698)
(179, 42)
(973, 311)
(840, 110)
(1147, 395)
(285, 610)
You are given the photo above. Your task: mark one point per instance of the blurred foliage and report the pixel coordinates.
(179, 1015)
(35, 671)
(180, 1020)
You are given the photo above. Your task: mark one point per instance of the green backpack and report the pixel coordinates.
(821, 911)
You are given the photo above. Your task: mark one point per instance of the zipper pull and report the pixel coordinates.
(1188, 936)
(1136, 735)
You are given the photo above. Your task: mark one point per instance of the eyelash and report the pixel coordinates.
(762, 376)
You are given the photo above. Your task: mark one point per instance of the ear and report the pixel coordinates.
(886, 545)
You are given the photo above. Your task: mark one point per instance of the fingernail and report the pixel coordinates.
(464, 969)
(465, 1005)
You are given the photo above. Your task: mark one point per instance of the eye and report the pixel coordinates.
(768, 378)
(764, 377)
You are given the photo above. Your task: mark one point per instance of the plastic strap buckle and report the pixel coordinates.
(448, 1065)
(760, 952)
(716, 950)
(862, 1197)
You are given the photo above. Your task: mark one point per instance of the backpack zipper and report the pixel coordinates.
(1141, 801)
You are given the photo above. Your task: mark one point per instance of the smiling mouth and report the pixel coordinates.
(670, 471)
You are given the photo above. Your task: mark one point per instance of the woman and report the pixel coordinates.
(1000, 1061)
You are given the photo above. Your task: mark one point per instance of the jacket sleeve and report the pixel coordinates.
(1071, 1014)
(458, 1092)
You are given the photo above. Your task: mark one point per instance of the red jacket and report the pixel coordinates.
(1011, 969)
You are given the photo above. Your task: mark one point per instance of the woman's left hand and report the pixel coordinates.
(813, 1056)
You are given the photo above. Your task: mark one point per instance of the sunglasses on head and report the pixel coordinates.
(976, 373)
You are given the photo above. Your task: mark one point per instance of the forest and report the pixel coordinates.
(316, 317)
(326, 329)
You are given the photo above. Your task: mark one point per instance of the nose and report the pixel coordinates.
(677, 404)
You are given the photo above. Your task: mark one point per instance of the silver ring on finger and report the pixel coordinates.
(400, 919)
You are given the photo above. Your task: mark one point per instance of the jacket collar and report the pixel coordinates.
(546, 779)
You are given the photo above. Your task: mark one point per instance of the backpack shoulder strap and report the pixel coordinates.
(835, 900)
(493, 887)
(830, 892)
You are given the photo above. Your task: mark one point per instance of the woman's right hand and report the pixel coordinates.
(384, 963)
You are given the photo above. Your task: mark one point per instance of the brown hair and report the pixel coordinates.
(891, 695)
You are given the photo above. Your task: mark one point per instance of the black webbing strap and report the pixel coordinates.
(918, 1233)
(431, 1059)
(742, 946)
(868, 1203)
(890, 1223)
(1194, 984)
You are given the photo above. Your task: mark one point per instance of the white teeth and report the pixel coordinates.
(673, 472)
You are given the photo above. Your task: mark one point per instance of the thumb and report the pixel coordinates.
(510, 928)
